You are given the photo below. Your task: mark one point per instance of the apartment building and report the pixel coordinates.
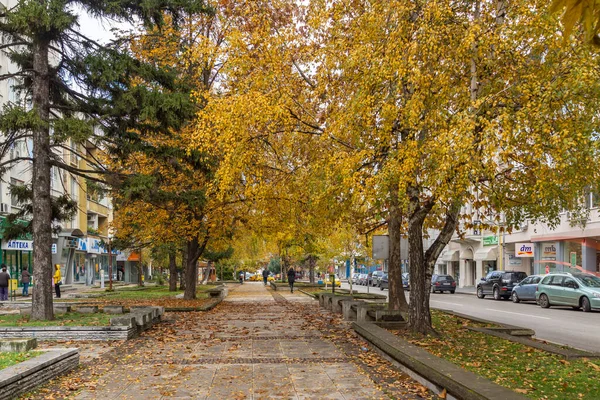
(534, 248)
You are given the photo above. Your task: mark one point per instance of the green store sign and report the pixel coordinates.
(490, 240)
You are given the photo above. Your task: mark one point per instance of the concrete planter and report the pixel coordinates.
(27, 375)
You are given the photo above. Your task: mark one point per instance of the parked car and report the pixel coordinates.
(328, 281)
(369, 279)
(406, 281)
(499, 284)
(525, 290)
(355, 278)
(383, 283)
(580, 291)
(443, 283)
(362, 278)
(376, 277)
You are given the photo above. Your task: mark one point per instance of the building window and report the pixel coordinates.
(13, 199)
(74, 188)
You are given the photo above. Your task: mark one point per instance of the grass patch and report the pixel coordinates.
(8, 359)
(149, 296)
(67, 319)
(532, 372)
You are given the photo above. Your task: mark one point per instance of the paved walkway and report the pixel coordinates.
(257, 344)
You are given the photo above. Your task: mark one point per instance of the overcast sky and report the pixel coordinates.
(99, 30)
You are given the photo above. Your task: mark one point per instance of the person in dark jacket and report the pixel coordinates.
(4, 278)
(25, 280)
(265, 276)
(291, 278)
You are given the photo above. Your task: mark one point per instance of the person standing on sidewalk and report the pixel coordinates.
(265, 276)
(25, 280)
(291, 278)
(57, 279)
(4, 278)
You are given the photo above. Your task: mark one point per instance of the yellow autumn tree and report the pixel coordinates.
(168, 193)
(413, 110)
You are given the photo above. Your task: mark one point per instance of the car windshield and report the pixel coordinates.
(445, 278)
(589, 280)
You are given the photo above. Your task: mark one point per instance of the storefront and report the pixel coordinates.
(128, 266)
(17, 254)
(524, 255)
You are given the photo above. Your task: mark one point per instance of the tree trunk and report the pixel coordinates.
(182, 276)
(194, 251)
(397, 299)
(419, 316)
(42, 207)
(422, 263)
(311, 268)
(172, 271)
(284, 268)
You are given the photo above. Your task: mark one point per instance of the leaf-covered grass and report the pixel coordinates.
(67, 319)
(8, 359)
(533, 372)
(150, 296)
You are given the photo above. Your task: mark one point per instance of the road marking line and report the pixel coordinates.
(516, 313)
(447, 302)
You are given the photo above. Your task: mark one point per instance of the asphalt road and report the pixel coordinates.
(557, 324)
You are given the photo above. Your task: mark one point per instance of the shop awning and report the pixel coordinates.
(450, 255)
(466, 254)
(487, 253)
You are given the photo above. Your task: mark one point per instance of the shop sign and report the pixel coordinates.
(549, 251)
(513, 260)
(490, 240)
(93, 246)
(82, 245)
(524, 249)
(54, 248)
(23, 245)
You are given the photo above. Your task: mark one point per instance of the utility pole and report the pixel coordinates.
(110, 288)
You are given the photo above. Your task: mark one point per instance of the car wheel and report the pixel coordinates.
(497, 294)
(381, 287)
(480, 292)
(544, 302)
(452, 292)
(585, 304)
(515, 297)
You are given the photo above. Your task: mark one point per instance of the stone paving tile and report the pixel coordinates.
(250, 347)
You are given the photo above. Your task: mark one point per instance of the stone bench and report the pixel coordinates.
(325, 300)
(112, 310)
(218, 292)
(363, 309)
(61, 308)
(349, 308)
(87, 309)
(17, 345)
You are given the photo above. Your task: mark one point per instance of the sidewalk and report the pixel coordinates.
(257, 344)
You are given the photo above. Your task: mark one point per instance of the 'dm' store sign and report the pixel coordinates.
(524, 249)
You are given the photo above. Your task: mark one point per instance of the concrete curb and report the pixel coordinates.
(565, 351)
(458, 382)
(27, 375)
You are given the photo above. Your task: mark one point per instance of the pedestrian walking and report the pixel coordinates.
(241, 278)
(25, 280)
(4, 278)
(265, 276)
(291, 278)
(57, 279)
